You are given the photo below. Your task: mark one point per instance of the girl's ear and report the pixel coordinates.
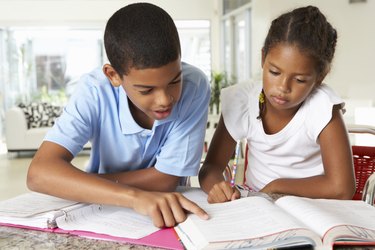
(112, 75)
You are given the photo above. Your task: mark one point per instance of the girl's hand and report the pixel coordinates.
(222, 192)
(165, 209)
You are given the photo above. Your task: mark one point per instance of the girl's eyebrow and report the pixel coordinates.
(273, 65)
(152, 86)
(296, 73)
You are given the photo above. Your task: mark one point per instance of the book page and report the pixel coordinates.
(110, 220)
(323, 214)
(245, 218)
(194, 194)
(31, 204)
(252, 222)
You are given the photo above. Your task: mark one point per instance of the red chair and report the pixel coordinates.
(364, 165)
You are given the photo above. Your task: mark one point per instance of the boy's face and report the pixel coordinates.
(152, 92)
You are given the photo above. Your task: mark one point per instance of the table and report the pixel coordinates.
(18, 238)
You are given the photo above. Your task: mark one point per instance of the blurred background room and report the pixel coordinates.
(46, 45)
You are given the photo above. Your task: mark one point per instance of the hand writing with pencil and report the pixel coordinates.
(222, 192)
(226, 191)
(211, 177)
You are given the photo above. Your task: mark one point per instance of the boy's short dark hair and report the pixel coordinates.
(141, 35)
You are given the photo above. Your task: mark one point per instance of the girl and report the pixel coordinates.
(293, 125)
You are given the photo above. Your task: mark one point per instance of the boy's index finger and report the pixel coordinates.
(192, 207)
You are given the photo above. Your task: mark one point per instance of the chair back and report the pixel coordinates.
(364, 165)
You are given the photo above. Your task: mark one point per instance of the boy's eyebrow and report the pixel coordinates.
(151, 86)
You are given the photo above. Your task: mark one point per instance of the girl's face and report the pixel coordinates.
(289, 76)
(152, 92)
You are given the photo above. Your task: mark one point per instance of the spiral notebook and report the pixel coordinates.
(48, 213)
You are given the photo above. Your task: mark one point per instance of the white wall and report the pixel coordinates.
(52, 12)
(95, 13)
(352, 74)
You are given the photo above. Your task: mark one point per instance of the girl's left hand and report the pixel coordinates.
(222, 192)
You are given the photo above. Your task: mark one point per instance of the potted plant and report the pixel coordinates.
(219, 80)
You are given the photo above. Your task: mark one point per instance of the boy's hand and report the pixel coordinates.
(222, 192)
(166, 209)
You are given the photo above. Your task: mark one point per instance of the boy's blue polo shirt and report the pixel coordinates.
(99, 113)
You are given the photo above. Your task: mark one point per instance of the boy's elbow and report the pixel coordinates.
(31, 184)
(33, 179)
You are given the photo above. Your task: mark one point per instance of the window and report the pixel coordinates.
(237, 42)
(45, 63)
(231, 5)
(195, 43)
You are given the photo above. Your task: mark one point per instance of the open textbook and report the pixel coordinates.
(49, 213)
(254, 222)
(257, 222)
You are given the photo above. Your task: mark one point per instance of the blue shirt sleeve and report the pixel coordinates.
(75, 127)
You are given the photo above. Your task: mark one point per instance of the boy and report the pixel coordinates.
(145, 115)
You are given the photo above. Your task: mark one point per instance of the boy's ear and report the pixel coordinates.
(112, 75)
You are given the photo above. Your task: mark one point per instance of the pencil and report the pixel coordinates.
(235, 162)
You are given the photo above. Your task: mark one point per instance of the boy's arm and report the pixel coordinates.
(149, 179)
(338, 180)
(51, 172)
(211, 177)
